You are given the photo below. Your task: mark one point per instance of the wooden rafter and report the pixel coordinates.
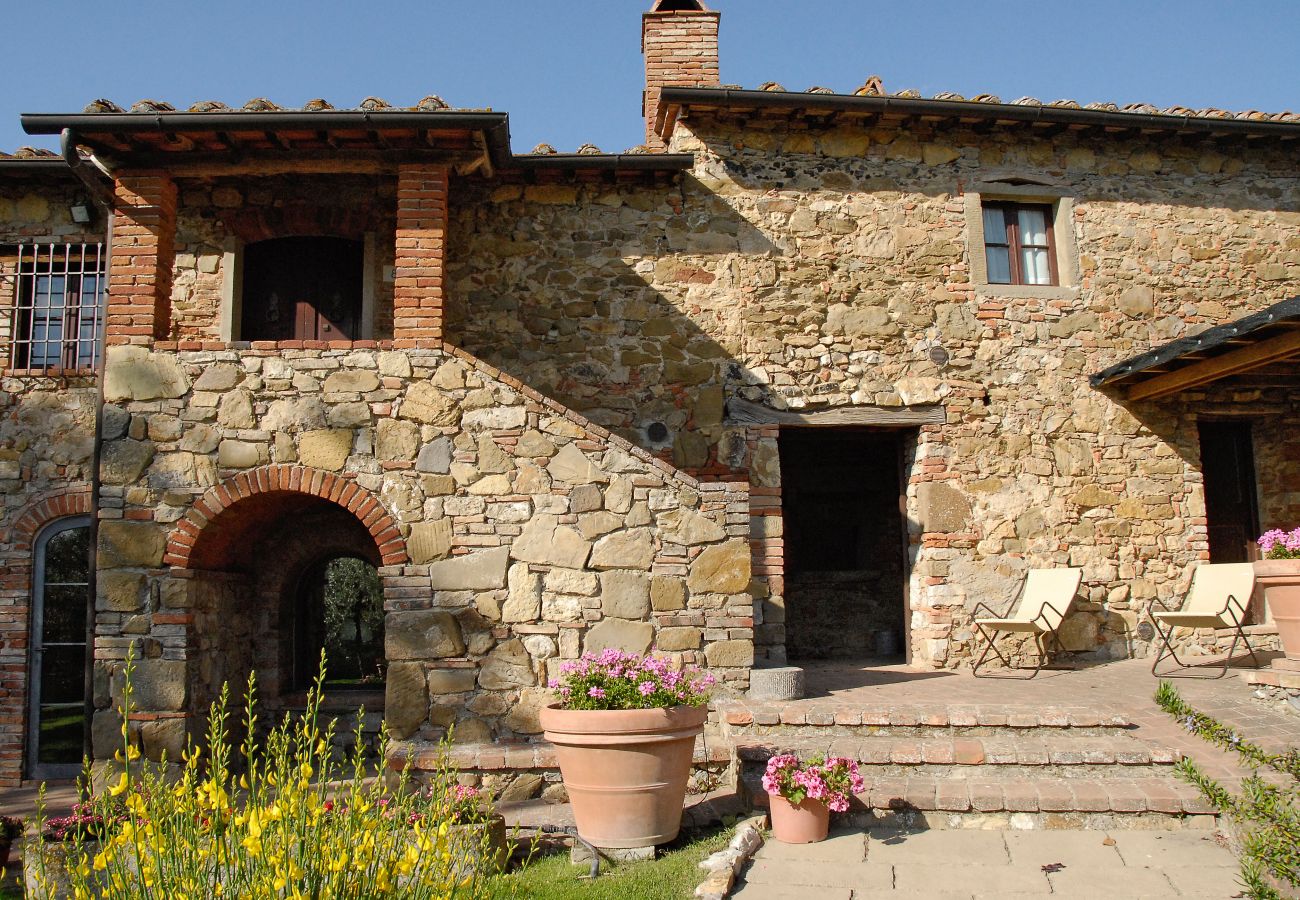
(1232, 363)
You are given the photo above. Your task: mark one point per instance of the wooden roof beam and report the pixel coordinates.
(1206, 371)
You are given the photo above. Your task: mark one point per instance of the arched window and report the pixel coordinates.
(341, 611)
(57, 713)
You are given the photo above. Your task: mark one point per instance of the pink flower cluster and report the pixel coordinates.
(832, 780)
(1279, 544)
(613, 679)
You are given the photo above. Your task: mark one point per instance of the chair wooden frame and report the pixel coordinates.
(1040, 624)
(1232, 615)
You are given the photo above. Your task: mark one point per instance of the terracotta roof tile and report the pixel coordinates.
(148, 106)
(261, 104)
(30, 153)
(873, 87)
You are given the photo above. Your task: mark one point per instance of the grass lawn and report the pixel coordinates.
(673, 876)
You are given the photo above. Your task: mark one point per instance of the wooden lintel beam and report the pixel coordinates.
(1205, 371)
(744, 412)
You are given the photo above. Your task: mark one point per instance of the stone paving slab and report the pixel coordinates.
(952, 864)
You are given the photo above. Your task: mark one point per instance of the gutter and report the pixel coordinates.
(915, 106)
(104, 198)
(640, 162)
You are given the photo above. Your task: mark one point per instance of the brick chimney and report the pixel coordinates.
(679, 40)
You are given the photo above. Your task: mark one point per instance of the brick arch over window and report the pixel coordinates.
(274, 491)
(56, 505)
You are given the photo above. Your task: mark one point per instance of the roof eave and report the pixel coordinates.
(673, 99)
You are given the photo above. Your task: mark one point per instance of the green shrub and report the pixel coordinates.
(1268, 814)
(278, 818)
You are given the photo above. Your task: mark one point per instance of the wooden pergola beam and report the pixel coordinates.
(1232, 363)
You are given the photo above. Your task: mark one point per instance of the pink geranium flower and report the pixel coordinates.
(613, 679)
(832, 781)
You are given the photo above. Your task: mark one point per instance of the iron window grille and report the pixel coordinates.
(59, 297)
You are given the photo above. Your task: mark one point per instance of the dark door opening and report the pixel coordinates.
(340, 610)
(302, 289)
(845, 546)
(1228, 467)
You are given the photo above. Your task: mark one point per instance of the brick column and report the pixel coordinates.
(143, 254)
(421, 239)
(679, 41)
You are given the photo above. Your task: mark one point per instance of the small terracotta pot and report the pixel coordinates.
(625, 770)
(1280, 579)
(806, 823)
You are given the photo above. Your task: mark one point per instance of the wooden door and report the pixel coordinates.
(302, 289)
(1228, 466)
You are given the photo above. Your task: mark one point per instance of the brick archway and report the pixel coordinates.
(265, 481)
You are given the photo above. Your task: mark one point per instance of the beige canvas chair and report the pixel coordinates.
(1044, 600)
(1218, 598)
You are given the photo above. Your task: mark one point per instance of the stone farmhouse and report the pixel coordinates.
(808, 375)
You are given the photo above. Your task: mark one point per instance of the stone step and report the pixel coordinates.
(962, 752)
(990, 793)
(739, 717)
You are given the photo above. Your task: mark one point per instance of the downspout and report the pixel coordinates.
(104, 198)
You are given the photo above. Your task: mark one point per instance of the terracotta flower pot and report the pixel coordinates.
(806, 823)
(1280, 579)
(625, 770)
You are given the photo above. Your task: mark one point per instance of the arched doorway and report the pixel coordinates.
(56, 730)
(266, 610)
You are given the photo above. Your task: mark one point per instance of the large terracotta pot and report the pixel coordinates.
(625, 770)
(806, 823)
(1280, 579)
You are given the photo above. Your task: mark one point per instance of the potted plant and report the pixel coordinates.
(624, 731)
(11, 829)
(803, 795)
(1279, 574)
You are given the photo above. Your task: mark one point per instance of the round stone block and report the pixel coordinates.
(776, 683)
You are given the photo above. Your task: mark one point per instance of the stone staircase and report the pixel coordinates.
(985, 766)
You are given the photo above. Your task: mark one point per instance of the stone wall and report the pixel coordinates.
(513, 533)
(46, 428)
(815, 269)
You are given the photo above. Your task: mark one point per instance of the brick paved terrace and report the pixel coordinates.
(1073, 748)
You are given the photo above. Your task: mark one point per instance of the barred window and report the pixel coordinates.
(58, 306)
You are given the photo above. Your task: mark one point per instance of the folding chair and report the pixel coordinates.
(1045, 598)
(1218, 598)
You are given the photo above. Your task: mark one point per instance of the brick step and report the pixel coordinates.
(1068, 750)
(992, 794)
(739, 717)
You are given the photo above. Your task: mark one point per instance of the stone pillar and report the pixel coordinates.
(421, 239)
(679, 40)
(143, 253)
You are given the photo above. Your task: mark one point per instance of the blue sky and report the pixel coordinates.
(570, 72)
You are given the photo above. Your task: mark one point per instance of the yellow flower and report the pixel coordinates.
(117, 789)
